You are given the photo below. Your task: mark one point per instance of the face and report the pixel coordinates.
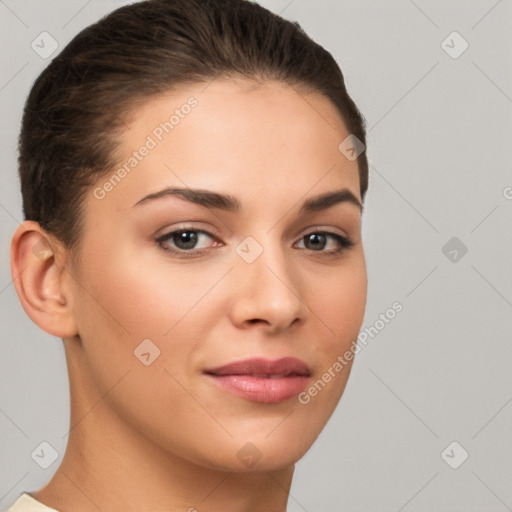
(214, 287)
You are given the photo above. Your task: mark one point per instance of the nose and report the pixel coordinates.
(267, 292)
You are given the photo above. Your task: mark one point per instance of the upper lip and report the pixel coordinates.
(260, 366)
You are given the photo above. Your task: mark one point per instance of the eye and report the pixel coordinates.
(183, 241)
(318, 240)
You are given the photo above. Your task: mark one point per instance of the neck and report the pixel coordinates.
(109, 465)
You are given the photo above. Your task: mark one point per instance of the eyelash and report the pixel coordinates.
(345, 243)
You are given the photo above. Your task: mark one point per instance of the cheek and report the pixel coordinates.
(128, 292)
(341, 304)
(340, 308)
(131, 295)
(121, 303)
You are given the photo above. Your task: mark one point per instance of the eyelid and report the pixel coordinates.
(318, 228)
(168, 234)
(187, 226)
(343, 240)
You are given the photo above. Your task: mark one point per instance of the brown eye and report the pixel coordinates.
(318, 240)
(183, 241)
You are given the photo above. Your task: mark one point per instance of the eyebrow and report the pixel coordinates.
(229, 203)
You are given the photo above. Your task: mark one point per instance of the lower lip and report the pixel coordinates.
(261, 389)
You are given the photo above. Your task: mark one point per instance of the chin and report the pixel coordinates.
(259, 453)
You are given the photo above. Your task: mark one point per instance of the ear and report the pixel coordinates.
(41, 281)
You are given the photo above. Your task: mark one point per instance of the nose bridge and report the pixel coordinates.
(268, 289)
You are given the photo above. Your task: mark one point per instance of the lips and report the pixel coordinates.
(262, 380)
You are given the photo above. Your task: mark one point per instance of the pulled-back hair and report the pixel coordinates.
(77, 107)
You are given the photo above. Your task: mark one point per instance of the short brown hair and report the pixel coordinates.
(74, 112)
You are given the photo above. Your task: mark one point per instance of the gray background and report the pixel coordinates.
(439, 141)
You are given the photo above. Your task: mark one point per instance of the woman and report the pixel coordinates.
(193, 176)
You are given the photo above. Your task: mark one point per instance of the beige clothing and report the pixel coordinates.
(25, 503)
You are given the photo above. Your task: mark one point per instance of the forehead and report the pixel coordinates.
(232, 134)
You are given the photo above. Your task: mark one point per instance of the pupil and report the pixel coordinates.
(186, 239)
(314, 238)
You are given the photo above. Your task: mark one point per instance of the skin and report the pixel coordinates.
(163, 437)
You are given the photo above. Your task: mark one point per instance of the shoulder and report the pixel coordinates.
(25, 503)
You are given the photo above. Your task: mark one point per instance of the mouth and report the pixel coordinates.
(262, 380)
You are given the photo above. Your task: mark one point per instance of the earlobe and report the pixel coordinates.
(38, 273)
